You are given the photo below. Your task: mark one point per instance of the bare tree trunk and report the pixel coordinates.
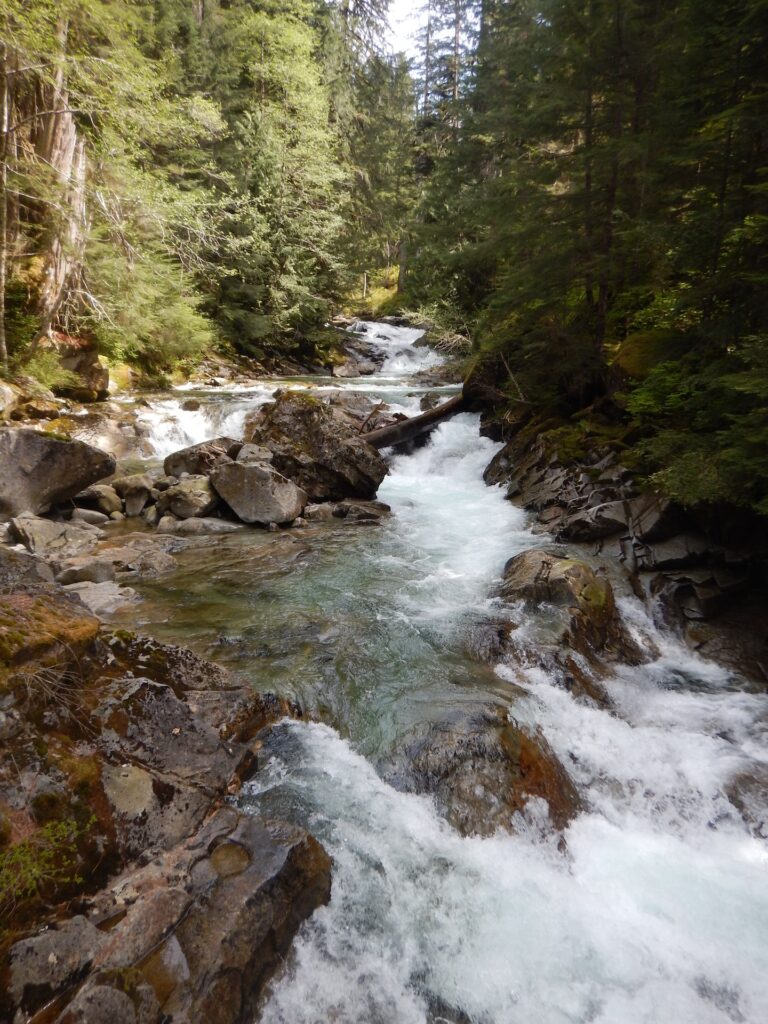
(57, 143)
(5, 119)
(407, 430)
(402, 271)
(455, 70)
(427, 61)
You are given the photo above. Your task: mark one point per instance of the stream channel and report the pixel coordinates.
(655, 907)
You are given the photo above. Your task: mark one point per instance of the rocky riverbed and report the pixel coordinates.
(439, 730)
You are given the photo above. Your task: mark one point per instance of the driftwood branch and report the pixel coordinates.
(407, 430)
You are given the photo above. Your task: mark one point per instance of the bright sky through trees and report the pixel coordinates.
(405, 18)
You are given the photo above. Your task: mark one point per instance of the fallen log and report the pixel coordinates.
(407, 430)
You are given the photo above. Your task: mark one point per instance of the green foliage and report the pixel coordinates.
(599, 213)
(41, 864)
(708, 413)
(44, 367)
(447, 330)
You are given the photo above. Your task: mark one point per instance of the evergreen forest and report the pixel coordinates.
(574, 193)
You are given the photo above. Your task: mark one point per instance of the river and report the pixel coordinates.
(653, 909)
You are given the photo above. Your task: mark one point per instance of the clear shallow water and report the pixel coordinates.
(656, 907)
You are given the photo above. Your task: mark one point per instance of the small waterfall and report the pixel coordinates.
(223, 411)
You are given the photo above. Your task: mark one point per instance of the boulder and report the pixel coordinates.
(79, 357)
(254, 453)
(653, 518)
(135, 491)
(594, 625)
(362, 511)
(320, 513)
(101, 497)
(55, 958)
(47, 628)
(679, 552)
(189, 498)
(9, 399)
(594, 523)
(198, 932)
(142, 561)
(197, 527)
(483, 769)
(86, 570)
(317, 450)
(199, 459)
(52, 540)
(39, 471)
(21, 570)
(257, 493)
(38, 409)
(90, 516)
(102, 598)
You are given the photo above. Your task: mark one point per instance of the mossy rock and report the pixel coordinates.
(638, 354)
(43, 628)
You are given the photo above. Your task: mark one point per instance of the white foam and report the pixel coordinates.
(631, 926)
(656, 911)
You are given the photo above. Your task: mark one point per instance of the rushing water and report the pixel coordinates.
(654, 910)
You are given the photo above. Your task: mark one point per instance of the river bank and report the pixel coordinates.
(499, 745)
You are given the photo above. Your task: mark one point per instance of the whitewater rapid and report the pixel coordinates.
(651, 908)
(654, 910)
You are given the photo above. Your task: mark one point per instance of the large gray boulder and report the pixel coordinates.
(192, 497)
(257, 493)
(317, 449)
(199, 459)
(39, 471)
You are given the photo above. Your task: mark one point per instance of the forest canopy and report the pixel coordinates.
(580, 188)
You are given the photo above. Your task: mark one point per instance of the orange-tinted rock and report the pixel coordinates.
(482, 769)
(43, 627)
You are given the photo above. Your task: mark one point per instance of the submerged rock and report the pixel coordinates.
(483, 769)
(39, 471)
(317, 450)
(197, 527)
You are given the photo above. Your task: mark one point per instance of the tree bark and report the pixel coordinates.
(59, 145)
(4, 128)
(407, 430)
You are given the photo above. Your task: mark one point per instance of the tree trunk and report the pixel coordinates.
(58, 145)
(4, 128)
(455, 70)
(402, 270)
(407, 430)
(427, 61)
